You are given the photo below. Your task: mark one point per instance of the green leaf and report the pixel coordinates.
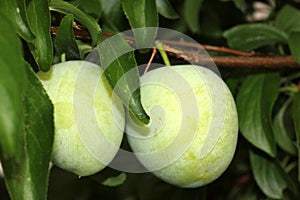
(87, 21)
(268, 175)
(12, 87)
(287, 19)
(65, 40)
(233, 84)
(113, 15)
(296, 117)
(240, 4)
(39, 21)
(27, 177)
(255, 101)
(38, 135)
(246, 190)
(115, 181)
(294, 43)
(142, 14)
(247, 37)
(91, 7)
(16, 11)
(117, 58)
(165, 9)
(26, 124)
(280, 132)
(191, 9)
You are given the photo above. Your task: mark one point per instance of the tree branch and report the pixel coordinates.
(235, 61)
(256, 61)
(241, 59)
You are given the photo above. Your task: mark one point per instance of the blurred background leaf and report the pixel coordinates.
(191, 14)
(281, 132)
(287, 19)
(268, 175)
(165, 9)
(92, 8)
(248, 37)
(240, 4)
(296, 117)
(114, 16)
(294, 43)
(255, 101)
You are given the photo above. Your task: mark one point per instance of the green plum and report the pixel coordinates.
(193, 130)
(89, 120)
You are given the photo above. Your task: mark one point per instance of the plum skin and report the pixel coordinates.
(69, 151)
(193, 168)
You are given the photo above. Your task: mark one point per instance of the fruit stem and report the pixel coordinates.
(63, 57)
(150, 61)
(163, 53)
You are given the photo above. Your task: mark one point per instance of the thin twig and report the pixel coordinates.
(207, 47)
(150, 60)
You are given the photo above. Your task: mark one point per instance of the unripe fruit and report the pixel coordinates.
(192, 136)
(89, 120)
